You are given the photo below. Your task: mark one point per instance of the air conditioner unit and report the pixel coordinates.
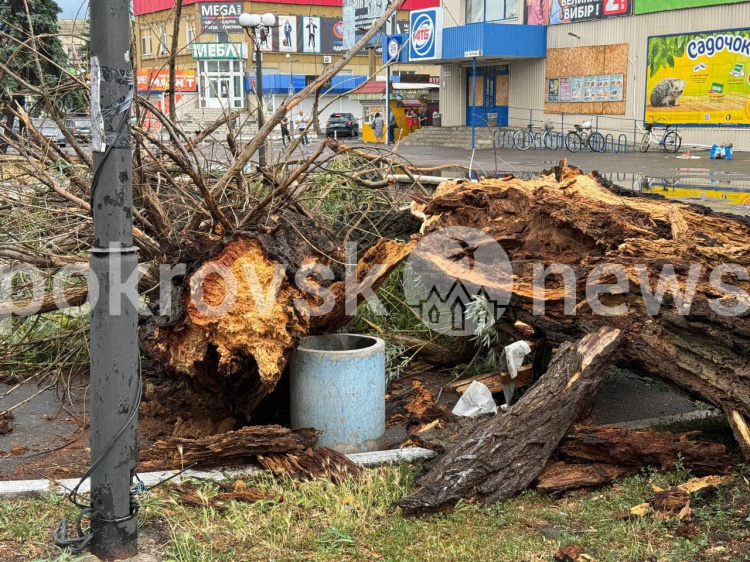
(327, 59)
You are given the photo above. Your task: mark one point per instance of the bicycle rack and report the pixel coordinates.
(609, 140)
(624, 140)
(505, 139)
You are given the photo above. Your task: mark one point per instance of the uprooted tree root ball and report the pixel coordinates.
(584, 223)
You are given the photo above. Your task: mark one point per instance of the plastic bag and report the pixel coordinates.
(477, 400)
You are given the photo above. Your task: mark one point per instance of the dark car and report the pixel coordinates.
(80, 126)
(342, 124)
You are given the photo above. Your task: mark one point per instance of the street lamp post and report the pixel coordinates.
(251, 22)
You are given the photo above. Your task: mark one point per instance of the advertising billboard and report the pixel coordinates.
(221, 17)
(157, 79)
(649, 6)
(358, 18)
(699, 79)
(288, 34)
(571, 11)
(426, 34)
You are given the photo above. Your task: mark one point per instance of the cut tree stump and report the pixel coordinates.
(504, 454)
(584, 222)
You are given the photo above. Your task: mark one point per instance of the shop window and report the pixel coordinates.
(474, 11)
(491, 10)
(222, 37)
(370, 111)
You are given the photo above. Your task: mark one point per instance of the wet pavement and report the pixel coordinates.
(722, 185)
(44, 423)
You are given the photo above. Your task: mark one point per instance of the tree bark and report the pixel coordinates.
(583, 223)
(559, 477)
(233, 446)
(505, 454)
(660, 449)
(594, 456)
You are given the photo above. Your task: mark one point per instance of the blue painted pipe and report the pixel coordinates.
(338, 386)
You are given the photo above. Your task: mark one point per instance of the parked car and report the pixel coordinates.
(342, 124)
(80, 126)
(49, 129)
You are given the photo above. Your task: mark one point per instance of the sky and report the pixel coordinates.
(71, 7)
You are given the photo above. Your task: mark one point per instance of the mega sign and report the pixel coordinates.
(699, 79)
(426, 34)
(569, 11)
(157, 79)
(221, 17)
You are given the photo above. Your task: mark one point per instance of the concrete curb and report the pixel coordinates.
(29, 488)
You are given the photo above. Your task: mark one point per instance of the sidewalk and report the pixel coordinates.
(652, 164)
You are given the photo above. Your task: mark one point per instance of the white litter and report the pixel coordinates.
(477, 400)
(513, 355)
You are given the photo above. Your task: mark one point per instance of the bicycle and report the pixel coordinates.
(670, 141)
(525, 139)
(583, 136)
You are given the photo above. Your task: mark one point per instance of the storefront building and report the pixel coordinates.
(307, 39)
(408, 101)
(616, 62)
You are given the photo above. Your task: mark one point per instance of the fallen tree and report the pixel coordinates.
(595, 456)
(582, 223)
(504, 455)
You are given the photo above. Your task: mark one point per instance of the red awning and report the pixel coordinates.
(372, 87)
(412, 103)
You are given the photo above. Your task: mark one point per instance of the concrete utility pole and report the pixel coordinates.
(115, 382)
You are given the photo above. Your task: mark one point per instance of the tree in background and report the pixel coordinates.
(30, 53)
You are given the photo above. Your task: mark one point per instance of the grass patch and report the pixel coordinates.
(357, 521)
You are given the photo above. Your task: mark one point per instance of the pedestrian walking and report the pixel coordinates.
(301, 123)
(285, 136)
(392, 126)
(378, 127)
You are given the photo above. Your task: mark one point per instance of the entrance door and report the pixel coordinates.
(221, 84)
(488, 93)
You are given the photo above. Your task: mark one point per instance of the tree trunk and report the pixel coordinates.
(505, 454)
(239, 354)
(583, 222)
